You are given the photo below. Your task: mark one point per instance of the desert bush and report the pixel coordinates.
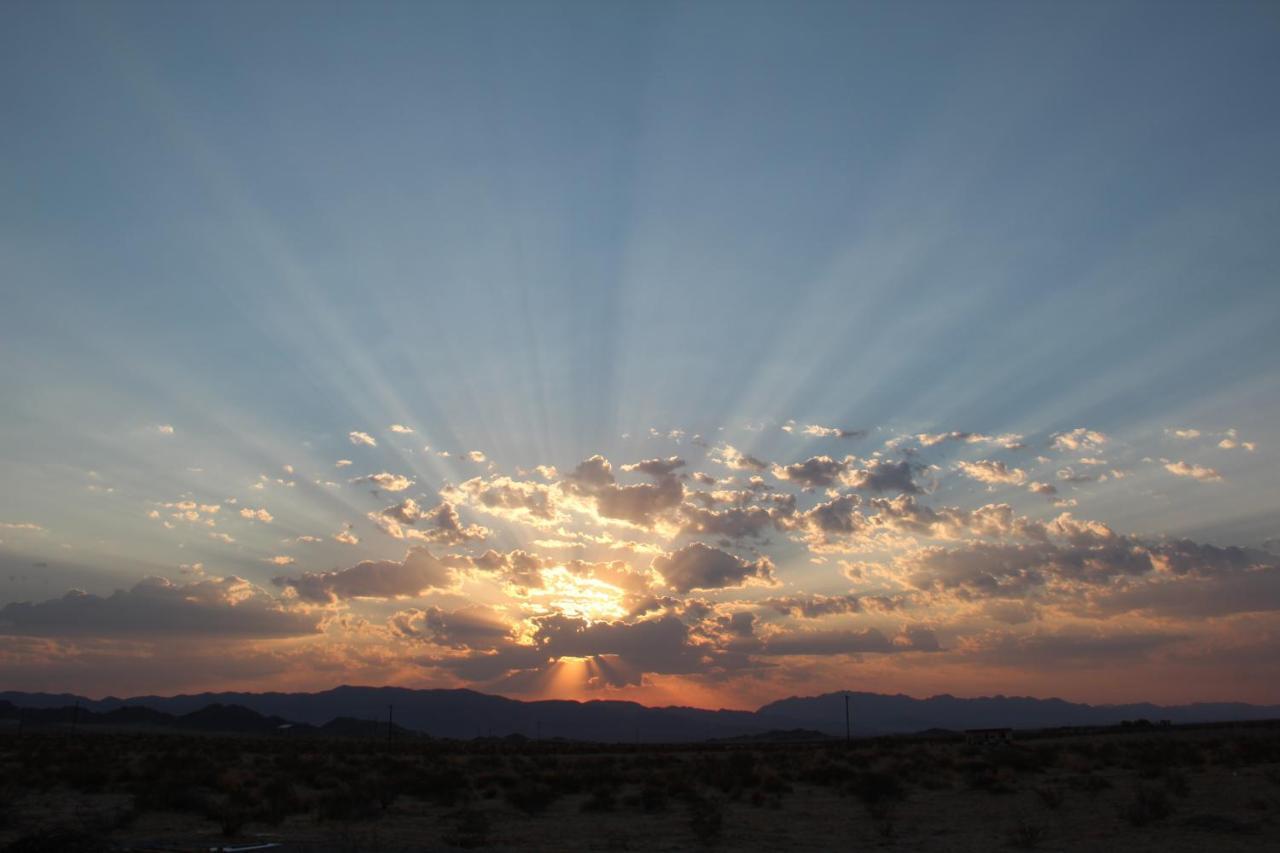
(1051, 795)
(1026, 834)
(1147, 805)
(531, 796)
(344, 803)
(706, 820)
(601, 800)
(471, 829)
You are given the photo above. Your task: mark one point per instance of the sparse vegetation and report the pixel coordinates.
(927, 792)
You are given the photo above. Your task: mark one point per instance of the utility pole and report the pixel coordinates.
(848, 735)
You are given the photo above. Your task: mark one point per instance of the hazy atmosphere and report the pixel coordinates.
(690, 353)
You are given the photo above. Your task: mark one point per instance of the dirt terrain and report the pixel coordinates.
(1175, 789)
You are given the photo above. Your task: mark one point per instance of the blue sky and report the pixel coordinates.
(544, 231)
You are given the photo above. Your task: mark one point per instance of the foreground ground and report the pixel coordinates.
(1174, 789)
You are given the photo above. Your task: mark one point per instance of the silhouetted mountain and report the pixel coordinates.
(875, 712)
(468, 714)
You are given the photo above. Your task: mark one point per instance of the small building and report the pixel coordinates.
(988, 736)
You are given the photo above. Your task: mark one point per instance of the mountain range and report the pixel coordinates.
(467, 713)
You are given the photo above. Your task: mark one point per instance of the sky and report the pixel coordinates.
(691, 353)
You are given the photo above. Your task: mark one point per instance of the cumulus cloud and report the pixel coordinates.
(1008, 441)
(441, 523)
(814, 472)
(818, 431)
(657, 468)
(364, 438)
(731, 457)
(845, 642)
(639, 504)
(1195, 472)
(992, 472)
(501, 496)
(1079, 438)
(417, 574)
(387, 481)
(154, 607)
(401, 428)
(164, 429)
(260, 514)
(517, 568)
(475, 627)
(698, 566)
(881, 476)
(342, 463)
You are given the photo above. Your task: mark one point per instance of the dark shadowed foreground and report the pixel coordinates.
(1127, 789)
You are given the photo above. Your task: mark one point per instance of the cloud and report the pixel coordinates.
(441, 523)
(734, 522)
(342, 463)
(698, 566)
(846, 642)
(731, 457)
(476, 456)
(992, 471)
(164, 429)
(1231, 441)
(814, 606)
(227, 607)
(516, 500)
(816, 431)
(401, 428)
(659, 469)
(19, 525)
(346, 537)
(1042, 488)
(475, 627)
(1008, 441)
(653, 645)
(1195, 472)
(517, 568)
(257, 515)
(638, 504)
(1077, 439)
(362, 438)
(417, 574)
(387, 481)
(814, 472)
(1184, 433)
(880, 476)
(281, 560)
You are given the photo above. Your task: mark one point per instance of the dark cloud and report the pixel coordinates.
(417, 574)
(225, 607)
(469, 628)
(814, 472)
(657, 468)
(440, 524)
(518, 568)
(836, 642)
(699, 566)
(880, 476)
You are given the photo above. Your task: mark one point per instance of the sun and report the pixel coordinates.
(573, 595)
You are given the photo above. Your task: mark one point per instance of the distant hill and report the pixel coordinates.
(469, 714)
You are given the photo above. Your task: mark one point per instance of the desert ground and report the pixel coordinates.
(1202, 788)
